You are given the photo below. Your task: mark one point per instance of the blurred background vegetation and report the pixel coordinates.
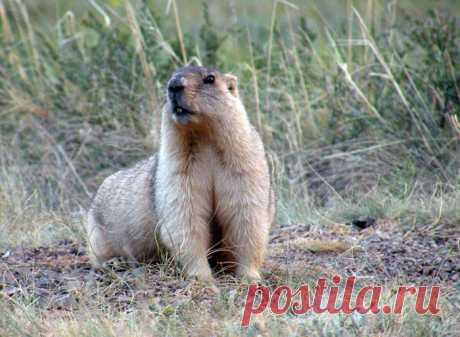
(358, 102)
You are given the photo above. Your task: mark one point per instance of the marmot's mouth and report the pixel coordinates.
(180, 111)
(181, 115)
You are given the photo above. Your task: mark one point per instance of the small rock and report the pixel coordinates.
(6, 254)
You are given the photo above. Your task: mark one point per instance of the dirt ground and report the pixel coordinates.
(58, 276)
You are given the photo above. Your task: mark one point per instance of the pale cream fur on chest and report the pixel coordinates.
(218, 180)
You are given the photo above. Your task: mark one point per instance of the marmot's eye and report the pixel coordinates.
(209, 79)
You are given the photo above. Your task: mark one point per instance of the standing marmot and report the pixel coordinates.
(207, 190)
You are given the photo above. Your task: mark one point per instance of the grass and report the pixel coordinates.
(193, 313)
(359, 113)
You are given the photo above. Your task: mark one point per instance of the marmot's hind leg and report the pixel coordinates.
(99, 249)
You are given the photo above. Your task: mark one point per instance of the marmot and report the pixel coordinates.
(207, 190)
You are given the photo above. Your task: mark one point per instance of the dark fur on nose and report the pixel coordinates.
(175, 85)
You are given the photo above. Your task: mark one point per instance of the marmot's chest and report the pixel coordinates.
(201, 174)
(208, 173)
(204, 164)
(203, 185)
(216, 191)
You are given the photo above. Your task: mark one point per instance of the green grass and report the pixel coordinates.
(358, 108)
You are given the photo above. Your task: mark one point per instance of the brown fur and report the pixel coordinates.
(207, 189)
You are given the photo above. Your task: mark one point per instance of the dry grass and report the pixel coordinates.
(196, 319)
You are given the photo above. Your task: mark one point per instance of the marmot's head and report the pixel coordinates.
(196, 93)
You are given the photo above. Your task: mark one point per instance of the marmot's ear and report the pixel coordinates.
(232, 84)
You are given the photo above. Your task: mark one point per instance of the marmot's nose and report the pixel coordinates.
(175, 85)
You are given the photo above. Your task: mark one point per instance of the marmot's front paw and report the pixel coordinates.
(201, 272)
(204, 279)
(248, 274)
